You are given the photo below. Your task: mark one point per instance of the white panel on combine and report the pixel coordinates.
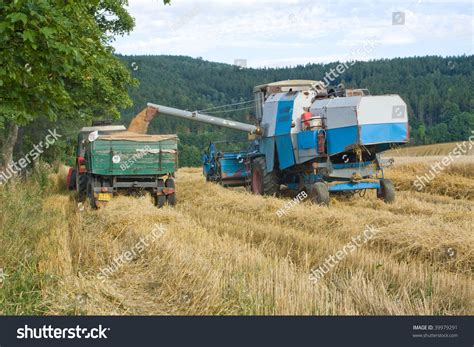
(340, 117)
(339, 112)
(319, 105)
(270, 110)
(302, 100)
(361, 110)
(382, 109)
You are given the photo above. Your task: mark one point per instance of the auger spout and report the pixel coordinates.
(203, 118)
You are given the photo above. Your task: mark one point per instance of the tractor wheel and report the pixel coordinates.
(160, 199)
(320, 194)
(171, 198)
(91, 183)
(81, 184)
(263, 182)
(386, 192)
(71, 179)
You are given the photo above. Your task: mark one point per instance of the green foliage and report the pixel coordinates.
(55, 61)
(189, 155)
(23, 222)
(112, 17)
(461, 125)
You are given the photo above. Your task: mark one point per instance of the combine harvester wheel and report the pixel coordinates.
(386, 191)
(320, 194)
(263, 182)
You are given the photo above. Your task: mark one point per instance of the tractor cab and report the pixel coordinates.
(76, 176)
(101, 130)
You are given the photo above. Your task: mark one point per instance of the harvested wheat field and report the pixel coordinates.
(226, 252)
(428, 150)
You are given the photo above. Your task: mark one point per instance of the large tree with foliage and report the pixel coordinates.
(57, 62)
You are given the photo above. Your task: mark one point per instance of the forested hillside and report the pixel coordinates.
(439, 93)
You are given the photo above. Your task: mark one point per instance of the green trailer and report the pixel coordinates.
(127, 162)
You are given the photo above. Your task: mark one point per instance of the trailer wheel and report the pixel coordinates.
(386, 192)
(81, 184)
(263, 182)
(320, 194)
(171, 198)
(160, 199)
(91, 183)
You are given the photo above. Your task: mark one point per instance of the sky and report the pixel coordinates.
(291, 32)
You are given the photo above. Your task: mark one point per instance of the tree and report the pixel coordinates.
(422, 133)
(450, 109)
(461, 126)
(56, 62)
(439, 133)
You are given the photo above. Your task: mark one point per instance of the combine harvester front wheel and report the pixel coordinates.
(321, 194)
(386, 192)
(263, 182)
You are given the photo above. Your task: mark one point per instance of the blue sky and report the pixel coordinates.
(290, 32)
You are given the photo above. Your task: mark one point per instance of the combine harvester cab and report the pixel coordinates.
(309, 138)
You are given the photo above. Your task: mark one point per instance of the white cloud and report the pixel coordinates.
(288, 32)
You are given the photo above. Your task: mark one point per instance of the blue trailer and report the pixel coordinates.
(308, 137)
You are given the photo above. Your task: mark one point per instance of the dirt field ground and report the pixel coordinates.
(225, 251)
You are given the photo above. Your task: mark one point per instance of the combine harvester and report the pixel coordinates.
(310, 138)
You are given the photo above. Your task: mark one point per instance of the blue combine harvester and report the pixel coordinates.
(309, 137)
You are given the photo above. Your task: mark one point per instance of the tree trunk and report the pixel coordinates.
(9, 144)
